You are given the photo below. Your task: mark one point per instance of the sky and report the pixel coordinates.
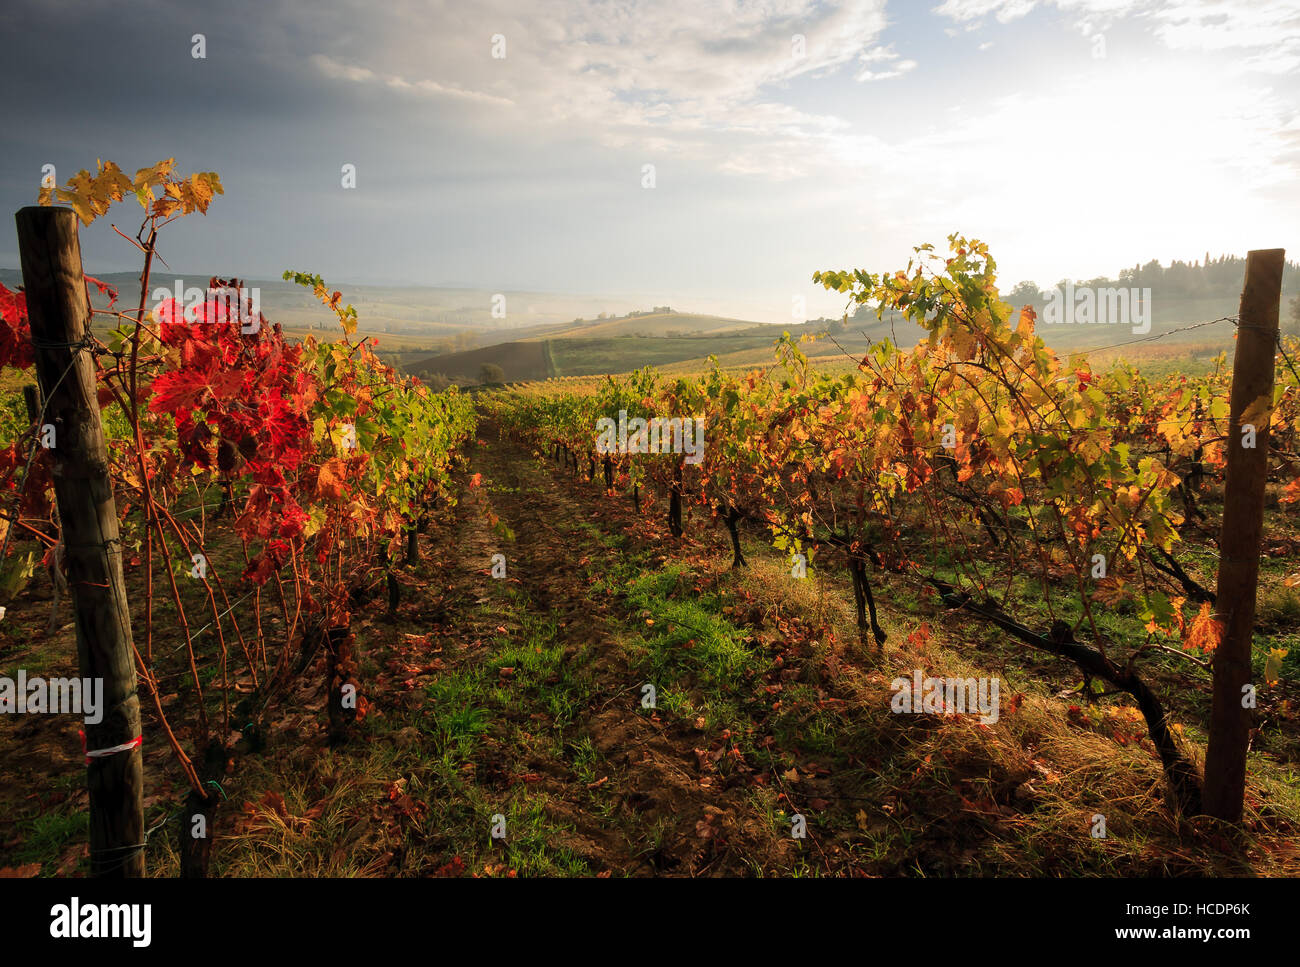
(504, 144)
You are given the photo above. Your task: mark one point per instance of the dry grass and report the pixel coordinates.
(1019, 796)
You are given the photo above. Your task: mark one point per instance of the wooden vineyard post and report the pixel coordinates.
(32, 398)
(59, 312)
(1243, 520)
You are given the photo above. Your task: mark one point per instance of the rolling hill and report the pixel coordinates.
(604, 346)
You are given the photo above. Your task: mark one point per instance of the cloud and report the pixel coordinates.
(674, 74)
(1269, 30)
(892, 64)
(334, 70)
(965, 11)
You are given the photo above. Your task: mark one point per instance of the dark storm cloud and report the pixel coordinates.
(119, 82)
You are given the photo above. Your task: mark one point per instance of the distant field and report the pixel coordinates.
(1155, 360)
(1183, 353)
(582, 355)
(656, 324)
(579, 357)
(1167, 315)
(518, 360)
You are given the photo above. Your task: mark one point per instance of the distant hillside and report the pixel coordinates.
(1170, 320)
(627, 343)
(428, 313)
(1182, 294)
(574, 356)
(620, 354)
(518, 360)
(647, 324)
(584, 348)
(1217, 279)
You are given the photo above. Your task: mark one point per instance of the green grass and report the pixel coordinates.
(44, 837)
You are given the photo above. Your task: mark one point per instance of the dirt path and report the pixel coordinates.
(655, 806)
(519, 697)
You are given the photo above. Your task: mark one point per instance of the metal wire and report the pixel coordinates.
(27, 470)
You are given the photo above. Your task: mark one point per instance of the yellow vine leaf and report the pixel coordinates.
(1273, 665)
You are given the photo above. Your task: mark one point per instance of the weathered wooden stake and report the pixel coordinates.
(59, 312)
(32, 398)
(1243, 520)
